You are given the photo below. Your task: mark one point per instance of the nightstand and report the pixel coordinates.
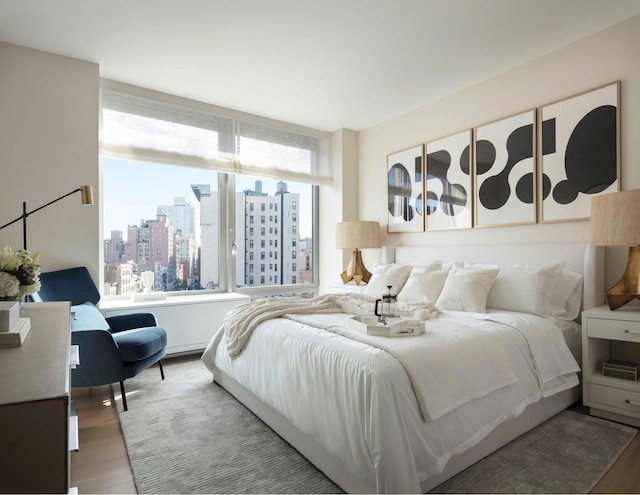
(610, 335)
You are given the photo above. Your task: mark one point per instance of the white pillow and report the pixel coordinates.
(568, 298)
(394, 275)
(422, 285)
(526, 288)
(467, 290)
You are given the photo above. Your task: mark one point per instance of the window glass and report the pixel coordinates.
(287, 235)
(163, 219)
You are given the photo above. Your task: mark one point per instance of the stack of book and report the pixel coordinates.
(13, 329)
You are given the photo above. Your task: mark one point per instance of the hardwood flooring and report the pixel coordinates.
(102, 463)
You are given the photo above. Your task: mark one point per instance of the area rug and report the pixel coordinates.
(188, 435)
(568, 453)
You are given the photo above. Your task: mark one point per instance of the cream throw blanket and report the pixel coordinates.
(240, 322)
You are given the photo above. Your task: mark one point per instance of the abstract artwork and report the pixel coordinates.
(448, 190)
(405, 190)
(580, 152)
(504, 171)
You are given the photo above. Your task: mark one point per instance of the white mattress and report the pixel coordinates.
(372, 421)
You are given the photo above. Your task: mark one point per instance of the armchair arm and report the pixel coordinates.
(100, 359)
(134, 320)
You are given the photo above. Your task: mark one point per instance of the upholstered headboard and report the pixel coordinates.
(580, 257)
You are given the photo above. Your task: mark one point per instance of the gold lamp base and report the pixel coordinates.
(355, 270)
(628, 287)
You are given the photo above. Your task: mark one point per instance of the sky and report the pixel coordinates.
(132, 190)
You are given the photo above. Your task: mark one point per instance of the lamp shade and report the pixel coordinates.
(615, 219)
(357, 235)
(86, 193)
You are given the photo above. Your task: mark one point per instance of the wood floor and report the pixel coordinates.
(102, 464)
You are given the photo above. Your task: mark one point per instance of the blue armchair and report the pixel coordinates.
(111, 349)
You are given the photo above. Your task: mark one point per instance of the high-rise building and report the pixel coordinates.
(113, 248)
(151, 246)
(209, 235)
(267, 237)
(181, 216)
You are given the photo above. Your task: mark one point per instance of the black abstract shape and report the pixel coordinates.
(485, 156)
(432, 202)
(590, 160)
(549, 136)
(453, 195)
(548, 148)
(465, 160)
(546, 186)
(417, 164)
(495, 191)
(399, 181)
(524, 188)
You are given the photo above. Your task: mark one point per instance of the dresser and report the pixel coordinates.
(38, 428)
(611, 335)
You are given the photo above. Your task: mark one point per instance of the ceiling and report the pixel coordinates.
(326, 64)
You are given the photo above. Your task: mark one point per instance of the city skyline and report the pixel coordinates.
(132, 191)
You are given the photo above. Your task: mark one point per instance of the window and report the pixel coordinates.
(170, 167)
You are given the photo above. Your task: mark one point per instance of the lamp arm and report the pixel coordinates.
(26, 214)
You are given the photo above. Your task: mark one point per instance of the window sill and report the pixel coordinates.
(171, 300)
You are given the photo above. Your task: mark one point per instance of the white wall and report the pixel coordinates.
(602, 58)
(49, 147)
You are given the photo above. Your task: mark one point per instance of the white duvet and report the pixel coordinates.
(396, 410)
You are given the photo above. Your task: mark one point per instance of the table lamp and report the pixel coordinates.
(615, 221)
(356, 236)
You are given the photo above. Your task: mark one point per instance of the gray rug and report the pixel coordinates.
(187, 435)
(568, 453)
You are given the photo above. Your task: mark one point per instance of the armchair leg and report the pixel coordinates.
(161, 369)
(124, 397)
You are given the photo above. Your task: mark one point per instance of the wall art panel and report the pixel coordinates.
(405, 190)
(504, 171)
(580, 152)
(448, 188)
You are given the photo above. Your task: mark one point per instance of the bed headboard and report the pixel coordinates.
(580, 257)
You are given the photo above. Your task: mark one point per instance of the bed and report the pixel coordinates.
(362, 411)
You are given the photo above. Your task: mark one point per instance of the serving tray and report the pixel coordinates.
(395, 327)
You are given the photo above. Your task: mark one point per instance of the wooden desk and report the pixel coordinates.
(35, 405)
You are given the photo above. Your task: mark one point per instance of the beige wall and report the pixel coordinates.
(602, 58)
(49, 147)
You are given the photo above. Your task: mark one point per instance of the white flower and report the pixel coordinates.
(9, 285)
(19, 272)
(9, 261)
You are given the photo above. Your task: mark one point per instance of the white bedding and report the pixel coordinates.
(373, 421)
